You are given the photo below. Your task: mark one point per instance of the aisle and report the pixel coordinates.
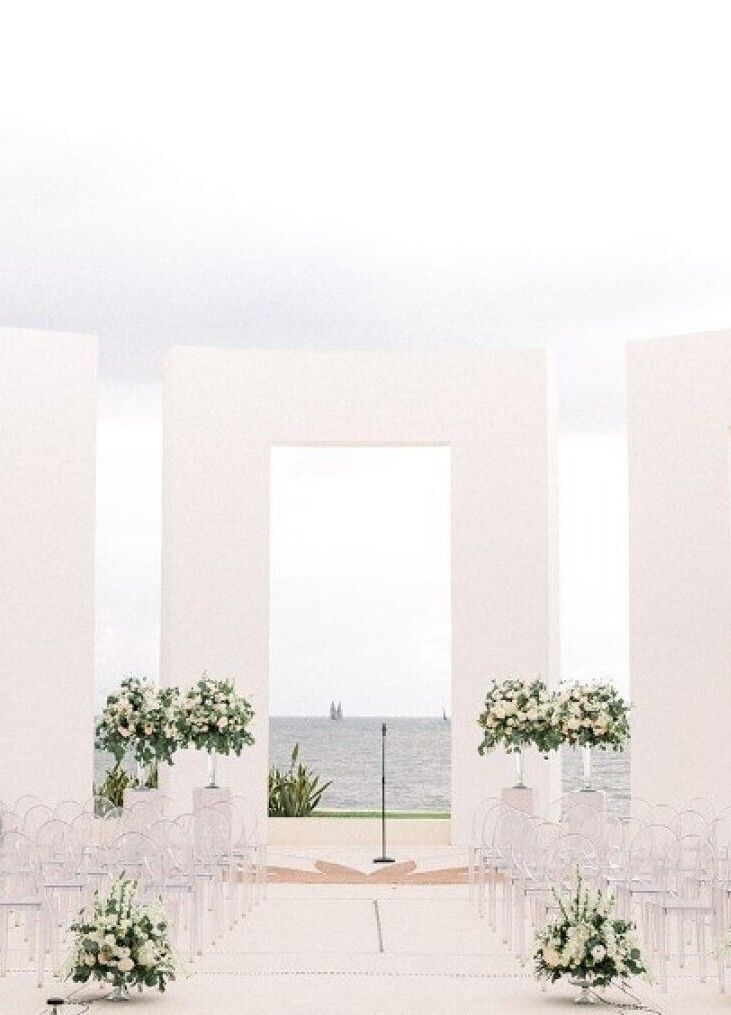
(358, 950)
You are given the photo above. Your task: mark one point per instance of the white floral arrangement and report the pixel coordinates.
(142, 719)
(121, 942)
(519, 714)
(587, 942)
(593, 715)
(215, 718)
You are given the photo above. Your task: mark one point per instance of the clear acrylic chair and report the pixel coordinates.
(21, 894)
(34, 817)
(478, 819)
(645, 874)
(689, 901)
(249, 846)
(24, 803)
(62, 879)
(178, 886)
(67, 810)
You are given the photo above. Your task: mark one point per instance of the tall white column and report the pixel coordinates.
(47, 448)
(223, 411)
(678, 417)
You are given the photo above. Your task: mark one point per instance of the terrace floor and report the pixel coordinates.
(355, 949)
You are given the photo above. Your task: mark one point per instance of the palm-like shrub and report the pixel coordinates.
(117, 780)
(294, 792)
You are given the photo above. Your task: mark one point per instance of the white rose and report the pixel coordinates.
(222, 722)
(551, 957)
(598, 952)
(126, 965)
(89, 959)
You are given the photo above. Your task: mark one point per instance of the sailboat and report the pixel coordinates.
(444, 714)
(336, 712)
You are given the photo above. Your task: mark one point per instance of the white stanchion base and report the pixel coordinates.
(595, 798)
(136, 796)
(142, 808)
(206, 796)
(522, 798)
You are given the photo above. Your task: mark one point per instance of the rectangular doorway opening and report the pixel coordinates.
(360, 623)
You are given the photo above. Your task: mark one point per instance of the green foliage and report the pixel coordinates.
(586, 941)
(593, 715)
(119, 940)
(214, 717)
(519, 714)
(141, 719)
(117, 780)
(294, 792)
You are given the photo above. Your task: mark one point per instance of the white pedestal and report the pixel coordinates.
(595, 798)
(219, 799)
(522, 798)
(142, 808)
(205, 796)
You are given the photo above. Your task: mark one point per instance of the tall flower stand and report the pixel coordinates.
(520, 797)
(587, 796)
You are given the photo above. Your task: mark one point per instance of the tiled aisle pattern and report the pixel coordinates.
(314, 950)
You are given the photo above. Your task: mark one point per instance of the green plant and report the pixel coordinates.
(117, 780)
(294, 792)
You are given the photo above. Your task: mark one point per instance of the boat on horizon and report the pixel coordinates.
(336, 712)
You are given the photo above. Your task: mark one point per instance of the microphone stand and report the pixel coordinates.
(383, 858)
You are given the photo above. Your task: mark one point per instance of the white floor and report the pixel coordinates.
(391, 950)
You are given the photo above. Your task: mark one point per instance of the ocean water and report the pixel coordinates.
(348, 753)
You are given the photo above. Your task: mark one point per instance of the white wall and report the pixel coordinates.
(224, 409)
(47, 428)
(679, 413)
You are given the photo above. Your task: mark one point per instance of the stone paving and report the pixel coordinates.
(390, 949)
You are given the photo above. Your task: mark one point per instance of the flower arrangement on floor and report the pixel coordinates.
(121, 942)
(141, 719)
(215, 718)
(587, 942)
(519, 714)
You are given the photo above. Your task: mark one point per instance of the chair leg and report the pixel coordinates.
(4, 915)
(192, 925)
(701, 935)
(41, 946)
(662, 933)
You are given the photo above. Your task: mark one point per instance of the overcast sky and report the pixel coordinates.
(366, 176)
